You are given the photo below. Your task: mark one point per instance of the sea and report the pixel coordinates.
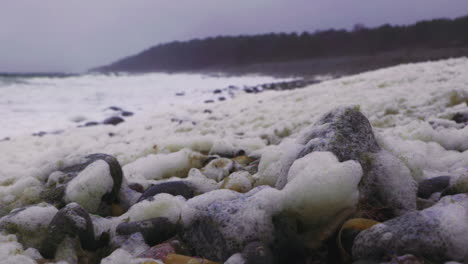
(50, 103)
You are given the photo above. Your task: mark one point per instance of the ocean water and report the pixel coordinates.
(55, 103)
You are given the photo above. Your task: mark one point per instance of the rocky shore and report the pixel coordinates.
(348, 184)
(228, 207)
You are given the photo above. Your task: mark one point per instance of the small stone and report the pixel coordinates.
(209, 101)
(437, 184)
(174, 188)
(115, 120)
(207, 111)
(218, 169)
(127, 113)
(460, 118)
(180, 94)
(92, 123)
(115, 108)
(222, 98)
(217, 91)
(39, 134)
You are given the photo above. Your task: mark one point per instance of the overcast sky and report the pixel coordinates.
(75, 35)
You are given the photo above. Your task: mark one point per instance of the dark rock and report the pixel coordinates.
(127, 113)
(222, 98)
(174, 188)
(5, 139)
(257, 253)
(209, 101)
(288, 246)
(248, 90)
(110, 134)
(92, 123)
(217, 91)
(433, 185)
(460, 118)
(114, 120)
(71, 221)
(115, 108)
(207, 111)
(180, 94)
(346, 132)
(154, 231)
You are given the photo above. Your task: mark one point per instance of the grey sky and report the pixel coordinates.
(74, 35)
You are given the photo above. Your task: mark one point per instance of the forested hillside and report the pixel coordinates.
(222, 51)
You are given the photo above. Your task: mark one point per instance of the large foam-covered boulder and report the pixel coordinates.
(346, 132)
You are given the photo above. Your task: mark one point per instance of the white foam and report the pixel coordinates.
(319, 187)
(163, 205)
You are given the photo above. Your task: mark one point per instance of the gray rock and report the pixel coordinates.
(114, 120)
(439, 233)
(224, 227)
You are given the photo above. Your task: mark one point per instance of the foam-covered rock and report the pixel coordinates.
(218, 169)
(239, 181)
(439, 233)
(223, 222)
(89, 186)
(387, 183)
(199, 182)
(94, 183)
(345, 132)
(29, 224)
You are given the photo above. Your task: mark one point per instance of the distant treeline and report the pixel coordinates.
(243, 50)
